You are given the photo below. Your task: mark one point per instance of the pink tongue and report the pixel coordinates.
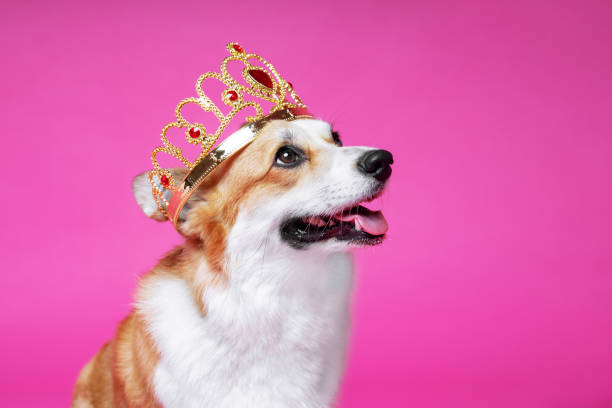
(374, 223)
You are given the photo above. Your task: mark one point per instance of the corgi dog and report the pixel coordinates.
(253, 309)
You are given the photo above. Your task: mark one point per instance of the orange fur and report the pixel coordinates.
(121, 374)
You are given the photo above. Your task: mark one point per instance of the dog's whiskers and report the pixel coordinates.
(327, 223)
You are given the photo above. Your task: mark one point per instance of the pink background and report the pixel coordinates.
(494, 288)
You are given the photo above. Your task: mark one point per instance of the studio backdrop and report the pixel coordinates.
(494, 287)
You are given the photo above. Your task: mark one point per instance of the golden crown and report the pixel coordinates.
(262, 82)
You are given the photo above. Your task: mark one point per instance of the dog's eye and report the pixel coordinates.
(288, 156)
(336, 137)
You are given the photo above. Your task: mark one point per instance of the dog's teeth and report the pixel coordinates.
(357, 226)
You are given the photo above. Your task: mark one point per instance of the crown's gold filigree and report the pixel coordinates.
(263, 82)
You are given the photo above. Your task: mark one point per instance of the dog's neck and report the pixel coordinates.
(266, 284)
(257, 270)
(278, 307)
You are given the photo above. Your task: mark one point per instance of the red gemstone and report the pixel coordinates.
(165, 181)
(290, 84)
(238, 48)
(194, 132)
(232, 95)
(261, 77)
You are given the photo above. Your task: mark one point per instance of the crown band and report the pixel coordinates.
(224, 151)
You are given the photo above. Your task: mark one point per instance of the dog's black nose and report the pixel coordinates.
(376, 163)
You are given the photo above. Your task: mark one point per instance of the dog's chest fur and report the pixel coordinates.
(274, 337)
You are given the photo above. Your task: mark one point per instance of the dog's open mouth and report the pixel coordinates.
(355, 224)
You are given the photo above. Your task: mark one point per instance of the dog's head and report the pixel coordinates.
(294, 184)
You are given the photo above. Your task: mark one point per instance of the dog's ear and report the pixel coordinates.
(143, 193)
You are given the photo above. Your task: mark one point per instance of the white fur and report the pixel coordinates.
(262, 344)
(275, 336)
(142, 192)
